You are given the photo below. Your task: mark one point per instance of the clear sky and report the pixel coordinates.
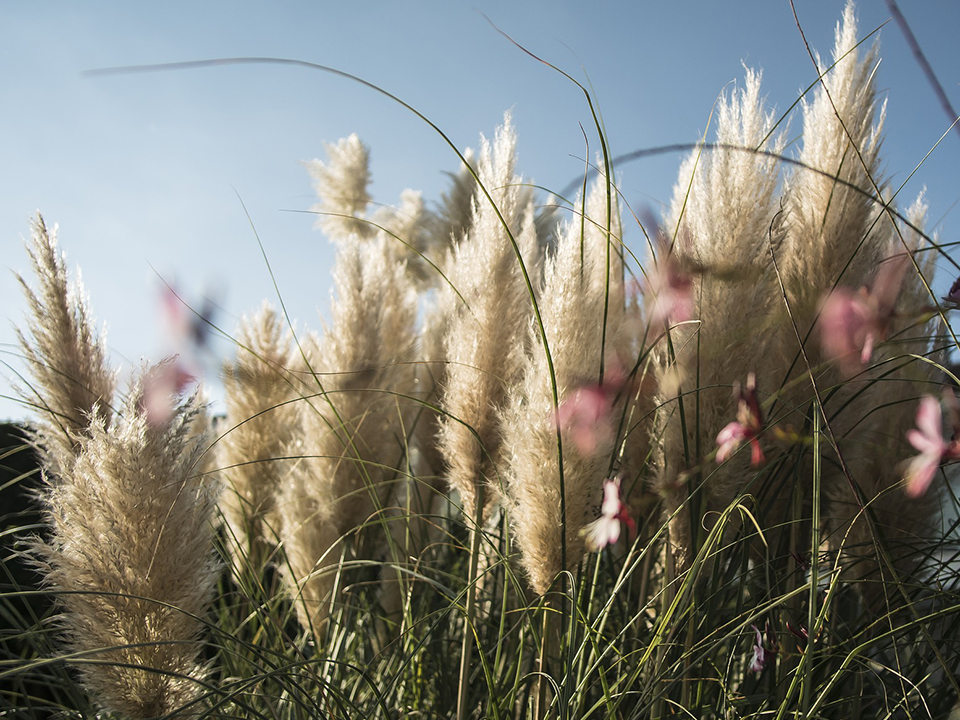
(148, 174)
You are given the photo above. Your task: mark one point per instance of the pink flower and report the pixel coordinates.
(187, 327)
(928, 439)
(605, 530)
(669, 288)
(671, 293)
(585, 414)
(747, 426)
(800, 632)
(953, 297)
(760, 655)
(163, 386)
(851, 323)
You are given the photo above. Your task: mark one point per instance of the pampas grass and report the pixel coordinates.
(355, 422)
(129, 553)
(260, 389)
(522, 473)
(490, 311)
(67, 359)
(548, 513)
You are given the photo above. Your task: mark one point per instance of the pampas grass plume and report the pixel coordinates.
(66, 358)
(355, 426)
(131, 559)
(572, 304)
(262, 421)
(482, 351)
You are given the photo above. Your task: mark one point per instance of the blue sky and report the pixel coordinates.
(148, 174)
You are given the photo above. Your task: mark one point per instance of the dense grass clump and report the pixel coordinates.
(525, 470)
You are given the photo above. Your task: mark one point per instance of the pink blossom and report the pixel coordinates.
(953, 297)
(934, 450)
(671, 292)
(187, 327)
(669, 288)
(851, 323)
(760, 655)
(585, 414)
(747, 426)
(163, 385)
(605, 530)
(800, 632)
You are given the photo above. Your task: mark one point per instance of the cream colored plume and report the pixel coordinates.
(719, 224)
(66, 358)
(830, 232)
(576, 288)
(341, 183)
(355, 422)
(871, 419)
(485, 321)
(130, 555)
(261, 393)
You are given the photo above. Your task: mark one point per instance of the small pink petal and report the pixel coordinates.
(919, 474)
(759, 658)
(845, 321)
(605, 530)
(925, 443)
(867, 353)
(930, 418)
(729, 440)
(928, 439)
(602, 532)
(886, 284)
(611, 498)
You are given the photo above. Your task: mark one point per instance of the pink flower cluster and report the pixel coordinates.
(747, 426)
(928, 439)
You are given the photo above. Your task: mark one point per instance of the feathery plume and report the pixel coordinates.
(262, 423)
(341, 185)
(482, 353)
(355, 426)
(72, 382)
(828, 222)
(723, 206)
(872, 428)
(130, 551)
(546, 523)
(405, 235)
(130, 556)
(448, 225)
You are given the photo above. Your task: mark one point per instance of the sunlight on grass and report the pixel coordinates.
(526, 470)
